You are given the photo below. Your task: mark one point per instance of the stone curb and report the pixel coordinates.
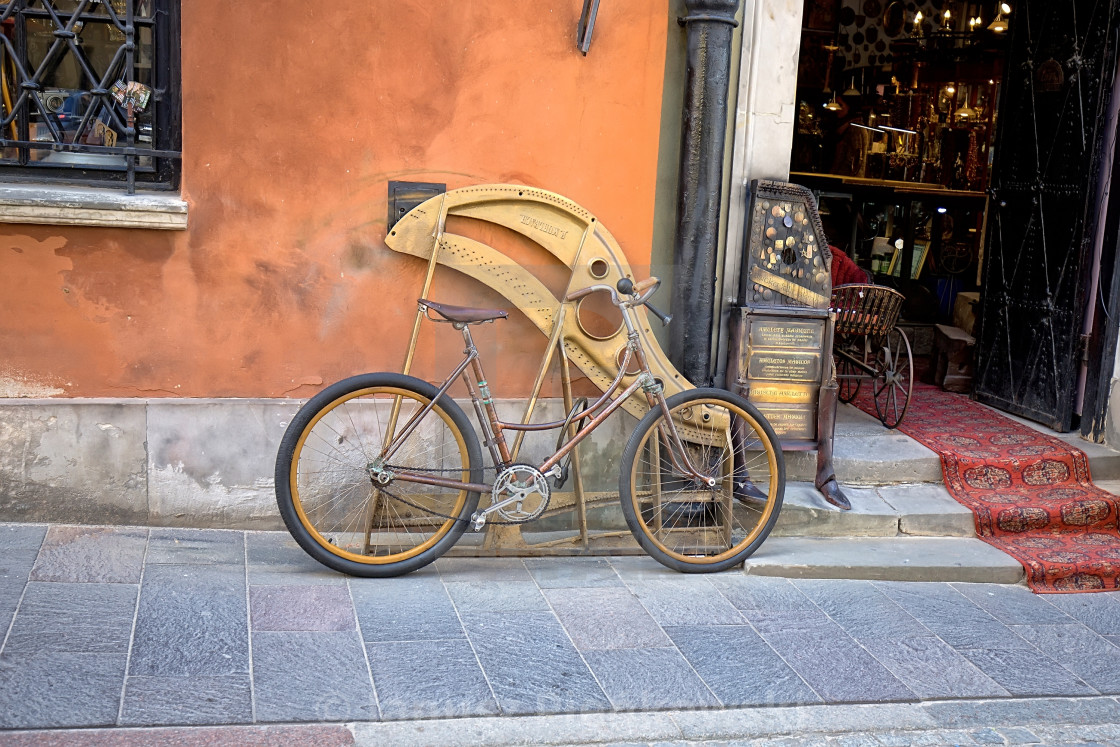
(614, 728)
(740, 723)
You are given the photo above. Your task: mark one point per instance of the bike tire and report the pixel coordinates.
(326, 492)
(683, 524)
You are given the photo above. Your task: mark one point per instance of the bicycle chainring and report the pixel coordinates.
(520, 493)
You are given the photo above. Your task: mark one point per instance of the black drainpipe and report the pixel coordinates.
(710, 25)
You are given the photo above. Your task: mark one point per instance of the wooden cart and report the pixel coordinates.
(868, 345)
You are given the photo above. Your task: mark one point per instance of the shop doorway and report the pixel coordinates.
(956, 151)
(1046, 200)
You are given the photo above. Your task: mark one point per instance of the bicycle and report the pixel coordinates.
(381, 473)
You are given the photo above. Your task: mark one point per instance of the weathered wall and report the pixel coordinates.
(294, 121)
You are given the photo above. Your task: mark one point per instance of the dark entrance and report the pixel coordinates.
(1043, 211)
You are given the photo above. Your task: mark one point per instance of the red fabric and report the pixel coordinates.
(844, 270)
(1031, 493)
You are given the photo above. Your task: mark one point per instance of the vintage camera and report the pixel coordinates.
(54, 99)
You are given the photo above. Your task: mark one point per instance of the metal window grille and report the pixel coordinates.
(89, 92)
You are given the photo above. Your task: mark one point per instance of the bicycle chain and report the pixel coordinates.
(445, 516)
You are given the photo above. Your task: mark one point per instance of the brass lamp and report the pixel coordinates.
(999, 25)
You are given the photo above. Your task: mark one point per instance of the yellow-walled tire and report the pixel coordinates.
(325, 476)
(683, 523)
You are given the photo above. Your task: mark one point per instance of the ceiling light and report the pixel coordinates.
(999, 25)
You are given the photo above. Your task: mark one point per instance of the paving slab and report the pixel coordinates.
(649, 679)
(81, 554)
(192, 620)
(73, 618)
(410, 608)
(900, 559)
(600, 619)
(531, 663)
(311, 677)
(152, 701)
(717, 653)
(53, 689)
(429, 679)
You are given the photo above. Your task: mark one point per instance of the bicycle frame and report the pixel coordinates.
(494, 428)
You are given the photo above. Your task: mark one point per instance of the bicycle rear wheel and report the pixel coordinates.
(326, 486)
(683, 523)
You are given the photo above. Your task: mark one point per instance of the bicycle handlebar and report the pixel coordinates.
(642, 291)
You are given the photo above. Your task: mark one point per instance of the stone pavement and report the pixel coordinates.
(148, 630)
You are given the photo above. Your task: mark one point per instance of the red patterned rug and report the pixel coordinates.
(1031, 493)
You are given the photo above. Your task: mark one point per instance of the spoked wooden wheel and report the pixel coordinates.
(894, 377)
(848, 374)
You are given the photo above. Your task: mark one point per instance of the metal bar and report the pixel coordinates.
(577, 470)
(586, 430)
(491, 412)
(437, 236)
(553, 341)
(84, 148)
(392, 443)
(130, 66)
(420, 310)
(589, 412)
(441, 482)
(586, 25)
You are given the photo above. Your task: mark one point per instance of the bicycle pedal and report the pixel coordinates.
(477, 522)
(559, 480)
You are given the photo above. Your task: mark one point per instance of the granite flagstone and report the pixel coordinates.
(178, 627)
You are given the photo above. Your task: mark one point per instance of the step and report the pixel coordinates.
(885, 559)
(1104, 463)
(921, 509)
(867, 453)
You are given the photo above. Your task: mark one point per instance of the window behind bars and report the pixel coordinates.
(89, 92)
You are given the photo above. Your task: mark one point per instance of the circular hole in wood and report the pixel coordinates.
(597, 317)
(598, 268)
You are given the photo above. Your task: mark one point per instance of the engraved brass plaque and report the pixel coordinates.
(787, 288)
(782, 392)
(784, 365)
(784, 333)
(792, 422)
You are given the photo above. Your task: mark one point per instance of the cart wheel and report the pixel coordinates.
(894, 377)
(848, 374)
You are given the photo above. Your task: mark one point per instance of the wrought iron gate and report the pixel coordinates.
(1042, 212)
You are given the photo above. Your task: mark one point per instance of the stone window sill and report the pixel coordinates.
(91, 206)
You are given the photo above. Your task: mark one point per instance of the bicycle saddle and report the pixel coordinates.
(463, 314)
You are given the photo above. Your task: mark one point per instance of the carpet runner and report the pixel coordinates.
(1031, 493)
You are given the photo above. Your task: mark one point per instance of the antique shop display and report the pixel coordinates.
(781, 339)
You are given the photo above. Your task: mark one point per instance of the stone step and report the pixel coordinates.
(885, 559)
(922, 509)
(866, 453)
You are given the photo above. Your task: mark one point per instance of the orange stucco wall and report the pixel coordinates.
(295, 118)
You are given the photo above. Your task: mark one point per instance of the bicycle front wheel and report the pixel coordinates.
(327, 470)
(693, 525)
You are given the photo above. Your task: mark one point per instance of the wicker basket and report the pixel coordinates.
(865, 309)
